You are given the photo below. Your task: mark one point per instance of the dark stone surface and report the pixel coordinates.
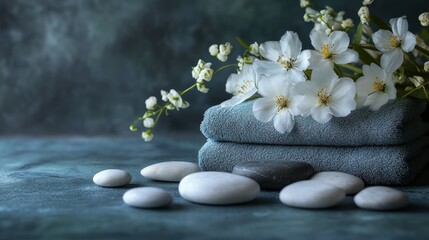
(274, 175)
(46, 192)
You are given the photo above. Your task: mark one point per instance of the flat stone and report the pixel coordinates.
(171, 171)
(381, 198)
(147, 197)
(112, 178)
(274, 175)
(218, 188)
(311, 194)
(351, 184)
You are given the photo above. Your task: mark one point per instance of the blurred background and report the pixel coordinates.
(85, 67)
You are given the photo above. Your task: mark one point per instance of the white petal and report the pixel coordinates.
(302, 62)
(381, 40)
(321, 114)
(409, 42)
(295, 76)
(237, 99)
(338, 41)
(318, 39)
(390, 90)
(267, 68)
(264, 109)
(270, 50)
(315, 59)
(348, 56)
(322, 76)
(290, 44)
(231, 83)
(391, 61)
(343, 98)
(376, 100)
(364, 86)
(399, 26)
(376, 72)
(344, 87)
(284, 121)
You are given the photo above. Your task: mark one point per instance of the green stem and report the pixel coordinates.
(422, 50)
(224, 67)
(415, 89)
(188, 89)
(351, 68)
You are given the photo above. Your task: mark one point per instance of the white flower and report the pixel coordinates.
(148, 123)
(147, 136)
(244, 60)
(225, 49)
(426, 66)
(424, 19)
(375, 87)
(164, 96)
(222, 57)
(364, 15)
(346, 24)
(392, 44)
(367, 2)
(304, 3)
(175, 99)
(254, 49)
(206, 74)
(202, 87)
(214, 49)
(185, 104)
(332, 49)
(284, 57)
(242, 86)
(277, 103)
(326, 95)
(151, 103)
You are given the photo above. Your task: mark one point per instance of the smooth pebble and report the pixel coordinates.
(381, 198)
(311, 194)
(351, 184)
(274, 175)
(147, 197)
(171, 171)
(112, 178)
(218, 188)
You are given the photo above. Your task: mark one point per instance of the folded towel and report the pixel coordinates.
(386, 165)
(395, 123)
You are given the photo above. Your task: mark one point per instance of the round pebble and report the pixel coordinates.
(172, 171)
(147, 197)
(274, 175)
(381, 198)
(351, 184)
(218, 188)
(112, 178)
(311, 194)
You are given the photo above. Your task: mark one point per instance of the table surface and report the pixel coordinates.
(46, 191)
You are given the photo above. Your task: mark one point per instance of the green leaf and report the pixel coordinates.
(358, 34)
(242, 43)
(425, 34)
(380, 23)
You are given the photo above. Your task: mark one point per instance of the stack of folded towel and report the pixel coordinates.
(387, 147)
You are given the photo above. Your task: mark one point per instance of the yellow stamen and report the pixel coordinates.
(324, 97)
(325, 52)
(288, 64)
(394, 42)
(282, 103)
(379, 86)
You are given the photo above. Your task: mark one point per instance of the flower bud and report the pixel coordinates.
(367, 2)
(214, 49)
(364, 15)
(164, 96)
(147, 136)
(148, 123)
(151, 103)
(304, 3)
(133, 128)
(185, 104)
(254, 49)
(424, 19)
(202, 88)
(346, 24)
(206, 74)
(222, 57)
(426, 66)
(225, 49)
(417, 81)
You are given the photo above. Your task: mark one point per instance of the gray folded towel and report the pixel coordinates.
(395, 123)
(385, 165)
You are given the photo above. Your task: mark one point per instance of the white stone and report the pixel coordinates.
(311, 194)
(112, 178)
(351, 184)
(218, 188)
(381, 198)
(172, 171)
(147, 197)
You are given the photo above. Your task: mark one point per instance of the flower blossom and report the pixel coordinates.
(277, 103)
(364, 15)
(241, 85)
(148, 123)
(284, 57)
(326, 95)
(331, 49)
(424, 19)
(375, 87)
(151, 103)
(392, 44)
(147, 135)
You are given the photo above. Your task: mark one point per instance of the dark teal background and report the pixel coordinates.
(86, 66)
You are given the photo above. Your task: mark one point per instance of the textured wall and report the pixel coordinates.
(86, 66)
